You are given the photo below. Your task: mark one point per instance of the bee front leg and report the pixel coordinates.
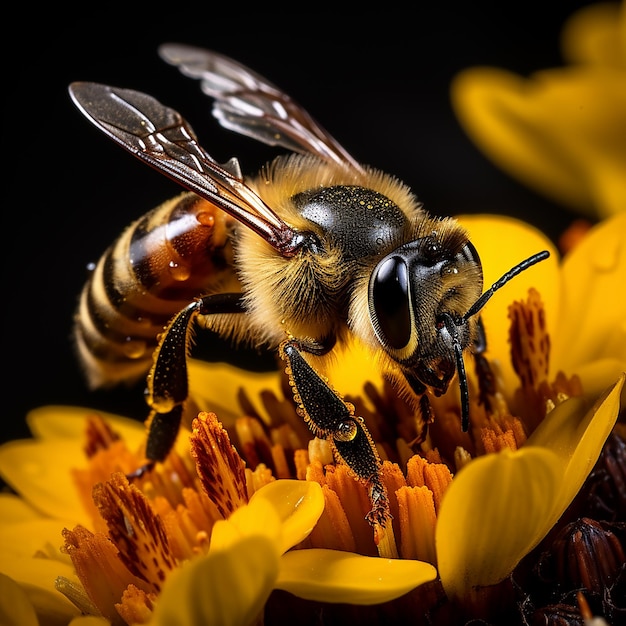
(168, 385)
(484, 373)
(330, 418)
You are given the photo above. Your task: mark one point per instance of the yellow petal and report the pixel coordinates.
(576, 432)
(493, 514)
(593, 307)
(352, 368)
(298, 503)
(36, 577)
(596, 34)
(39, 470)
(68, 422)
(561, 132)
(503, 242)
(217, 387)
(89, 620)
(13, 510)
(335, 576)
(597, 373)
(225, 588)
(15, 606)
(27, 538)
(258, 520)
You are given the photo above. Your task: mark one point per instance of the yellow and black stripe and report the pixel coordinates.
(159, 264)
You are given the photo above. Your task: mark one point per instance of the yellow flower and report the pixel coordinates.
(40, 470)
(585, 309)
(477, 524)
(207, 537)
(561, 131)
(162, 550)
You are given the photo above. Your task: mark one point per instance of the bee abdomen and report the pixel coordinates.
(160, 263)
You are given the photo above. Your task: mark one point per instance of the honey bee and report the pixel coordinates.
(313, 250)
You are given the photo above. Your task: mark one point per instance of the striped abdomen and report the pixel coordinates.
(159, 264)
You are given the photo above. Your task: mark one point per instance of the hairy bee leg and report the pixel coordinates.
(162, 432)
(329, 417)
(484, 373)
(426, 416)
(168, 386)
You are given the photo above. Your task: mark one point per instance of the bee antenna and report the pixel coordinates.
(453, 329)
(514, 271)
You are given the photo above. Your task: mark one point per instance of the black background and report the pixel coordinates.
(378, 80)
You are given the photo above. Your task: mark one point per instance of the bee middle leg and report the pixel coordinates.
(330, 418)
(484, 373)
(167, 383)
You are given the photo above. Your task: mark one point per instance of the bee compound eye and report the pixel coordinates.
(389, 304)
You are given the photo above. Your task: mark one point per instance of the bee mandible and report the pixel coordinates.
(313, 250)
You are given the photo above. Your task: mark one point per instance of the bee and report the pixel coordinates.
(315, 249)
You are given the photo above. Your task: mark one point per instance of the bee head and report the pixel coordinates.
(414, 294)
(424, 300)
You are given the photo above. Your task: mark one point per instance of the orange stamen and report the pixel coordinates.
(219, 466)
(435, 476)
(102, 573)
(136, 530)
(417, 519)
(530, 342)
(136, 605)
(356, 503)
(332, 529)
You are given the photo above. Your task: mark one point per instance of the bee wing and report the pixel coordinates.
(161, 137)
(251, 105)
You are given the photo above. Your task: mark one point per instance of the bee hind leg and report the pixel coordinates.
(167, 383)
(330, 418)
